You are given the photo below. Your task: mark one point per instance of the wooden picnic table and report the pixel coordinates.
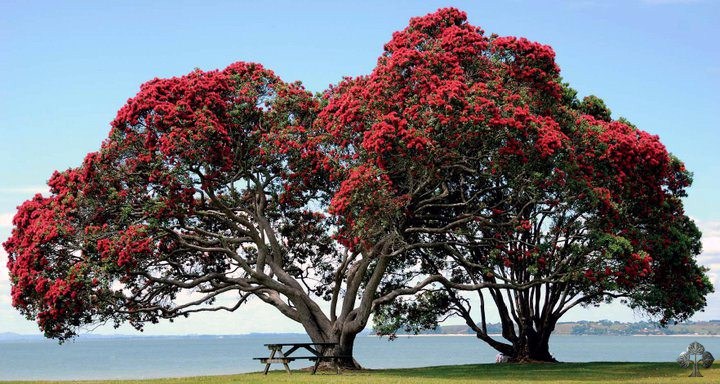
(283, 353)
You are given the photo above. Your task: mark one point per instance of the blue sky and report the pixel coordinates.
(66, 68)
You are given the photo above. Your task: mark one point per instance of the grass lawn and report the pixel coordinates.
(565, 373)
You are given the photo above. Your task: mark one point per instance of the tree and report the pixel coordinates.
(198, 201)
(494, 179)
(460, 164)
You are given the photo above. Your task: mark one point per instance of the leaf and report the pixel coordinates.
(707, 359)
(684, 359)
(696, 348)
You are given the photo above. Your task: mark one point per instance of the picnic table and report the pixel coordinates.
(283, 353)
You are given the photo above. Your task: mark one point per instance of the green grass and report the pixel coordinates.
(566, 373)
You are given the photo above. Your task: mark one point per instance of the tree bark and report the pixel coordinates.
(528, 338)
(533, 346)
(345, 349)
(326, 332)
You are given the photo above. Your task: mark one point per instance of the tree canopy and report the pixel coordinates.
(512, 188)
(461, 163)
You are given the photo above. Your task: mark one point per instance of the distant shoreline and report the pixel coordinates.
(709, 328)
(555, 334)
(677, 335)
(600, 328)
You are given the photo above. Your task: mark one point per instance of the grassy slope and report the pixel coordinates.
(567, 373)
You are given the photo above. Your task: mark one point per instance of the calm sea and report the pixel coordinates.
(150, 357)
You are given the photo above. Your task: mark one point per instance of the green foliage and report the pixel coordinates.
(595, 107)
(411, 316)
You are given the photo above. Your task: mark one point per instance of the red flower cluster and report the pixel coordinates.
(455, 138)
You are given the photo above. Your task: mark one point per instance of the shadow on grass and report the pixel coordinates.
(544, 372)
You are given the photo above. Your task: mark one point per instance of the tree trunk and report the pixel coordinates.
(532, 349)
(328, 332)
(345, 349)
(346, 342)
(533, 345)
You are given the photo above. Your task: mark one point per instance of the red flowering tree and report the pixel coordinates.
(197, 201)
(460, 164)
(490, 177)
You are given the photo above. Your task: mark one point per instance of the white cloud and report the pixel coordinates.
(4, 278)
(710, 258)
(6, 219)
(28, 190)
(6, 309)
(711, 244)
(711, 236)
(5, 298)
(714, 275)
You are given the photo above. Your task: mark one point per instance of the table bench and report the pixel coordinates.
(277, 355)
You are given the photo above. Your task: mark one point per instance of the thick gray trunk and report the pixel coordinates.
(532, 346)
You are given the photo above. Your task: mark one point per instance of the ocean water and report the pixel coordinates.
(151, 357)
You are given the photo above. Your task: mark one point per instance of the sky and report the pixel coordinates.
(67, 67)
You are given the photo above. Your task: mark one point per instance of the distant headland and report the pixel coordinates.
(605, 327)
(582, 327)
